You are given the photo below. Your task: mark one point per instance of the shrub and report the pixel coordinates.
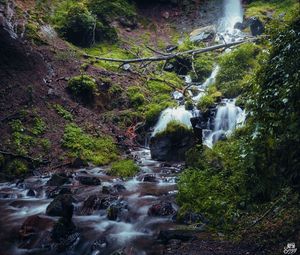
(75, 23)
(124, 168)
(175, 130)
(17, 167)
(63, 112)
(98, 150)
(82, 87)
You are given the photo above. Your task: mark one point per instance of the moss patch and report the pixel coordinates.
(124, 168)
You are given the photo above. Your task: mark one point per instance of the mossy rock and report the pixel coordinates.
(124, 168)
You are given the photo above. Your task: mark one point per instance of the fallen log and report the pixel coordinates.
(169, 56)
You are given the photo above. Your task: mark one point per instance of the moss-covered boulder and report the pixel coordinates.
(172, 143)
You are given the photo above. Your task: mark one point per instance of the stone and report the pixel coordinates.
(61, 206)
(30, 193)
(78, 163)
(62, 229)
(161, 209)
(58, 180)
(116, 210)
(89, 180)
(171, 146)
(256, 26)
(203, 34)
(183, 235)
(96, 202)
(149, 178)
(52, 193)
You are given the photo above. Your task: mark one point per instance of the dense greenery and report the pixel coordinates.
(262, 158)
(175, 130)
(98, 150)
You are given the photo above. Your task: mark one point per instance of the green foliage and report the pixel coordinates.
(189, 105)
(209, 99)
(75, 23)
(63, 112)
(136, 98)
(16, 167)
(260, 159)
(98, 150)
(24, 139)
(203, 66)
(124, 168)
(234, 66)
(115, 90)
(83, 87)
(32, 33)
(108, 10)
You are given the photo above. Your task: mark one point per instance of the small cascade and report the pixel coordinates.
(179, 114)
(228, 117)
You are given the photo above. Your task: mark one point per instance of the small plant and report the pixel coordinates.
(83, 87)
(124, 168)
(16, 167)
(63, 112)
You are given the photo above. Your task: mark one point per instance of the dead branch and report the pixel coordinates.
(171, 55)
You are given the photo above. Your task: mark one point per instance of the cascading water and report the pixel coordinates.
(228, 117)
(178, 114)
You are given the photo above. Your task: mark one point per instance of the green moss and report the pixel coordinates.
(39, 126)
(83, 87)
(32, 33)
(234, 66)
(211, 97)
(189, 105)
(263, 9)
(203, 66)
(98, 150)
(115, 90)
(176, 130)
(124, 168)
(63, 112)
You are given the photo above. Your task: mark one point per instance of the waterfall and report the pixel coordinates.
(178, 114)
(228, 117)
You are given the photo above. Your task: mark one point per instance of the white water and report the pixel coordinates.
(178, 114)
(228, 117)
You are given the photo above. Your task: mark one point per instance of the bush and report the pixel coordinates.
(98, 150)
(82, 87)
(75, 23)
(124, 168)
(17, 167)
(175, 130)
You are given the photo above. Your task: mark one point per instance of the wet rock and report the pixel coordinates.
(240, 26)
(119, 187)
(171, 146)
(106, 190)
(116, 210)
(99, 245)
(52, 193)
(96, 202)
(62, 229)
(203, 34)
(61, 206)
(169, 67)
(89, 180)
(184, 235)
(35, 224)
(161, 209)
(30, 193)
(58, 180)
(149, 178)
(256, 26)
(34, 231)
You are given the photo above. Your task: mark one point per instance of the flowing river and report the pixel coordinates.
(118, 215)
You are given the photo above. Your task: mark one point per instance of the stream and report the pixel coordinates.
(117, 216)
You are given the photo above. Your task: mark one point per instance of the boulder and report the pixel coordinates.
(61, 206)
(30, 193)
(116, 210)
(88, 180)
(58, 180)
(62, 229)
(96, 202)
(172, 144)
(161, 209)
(203, 34)
(256, 26)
